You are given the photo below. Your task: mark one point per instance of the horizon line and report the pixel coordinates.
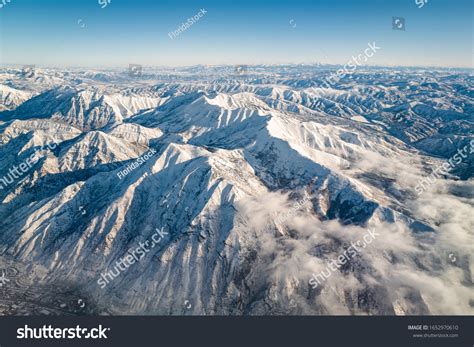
(59, 66)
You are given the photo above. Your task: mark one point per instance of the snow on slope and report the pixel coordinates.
(11, 98)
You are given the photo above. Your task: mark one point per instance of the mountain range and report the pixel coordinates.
(234, 151)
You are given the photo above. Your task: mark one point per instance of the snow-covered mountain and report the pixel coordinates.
(259, 180)
(11, 98)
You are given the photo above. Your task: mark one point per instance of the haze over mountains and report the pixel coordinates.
(235, 150)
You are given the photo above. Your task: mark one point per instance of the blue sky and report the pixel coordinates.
(82, 33)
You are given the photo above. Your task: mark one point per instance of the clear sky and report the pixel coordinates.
(82, 33)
